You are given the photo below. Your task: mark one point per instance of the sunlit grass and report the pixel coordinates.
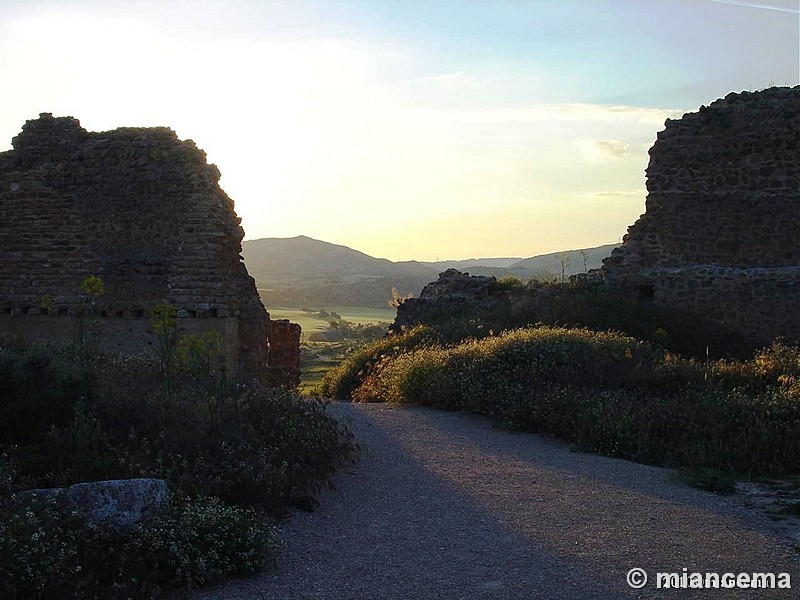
(605, 392)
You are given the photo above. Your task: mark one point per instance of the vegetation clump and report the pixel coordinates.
(547, 359)
(49, 551)
(236, 455)
(343, 380)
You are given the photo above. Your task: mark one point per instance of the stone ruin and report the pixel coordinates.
(451, 288)
(720, 237)
(143, 211)
(721, 233)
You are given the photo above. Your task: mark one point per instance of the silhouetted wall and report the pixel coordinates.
(141, 210)
(721, 231)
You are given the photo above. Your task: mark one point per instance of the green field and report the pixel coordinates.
(364, 314)
(318, 357)
(311, 323)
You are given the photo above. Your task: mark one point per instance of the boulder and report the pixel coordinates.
(118, 504)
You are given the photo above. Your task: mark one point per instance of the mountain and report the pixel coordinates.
(573, 260)
(302, 271)
(471, 263)
(279, 261)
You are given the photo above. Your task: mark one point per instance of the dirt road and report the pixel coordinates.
(445, 505)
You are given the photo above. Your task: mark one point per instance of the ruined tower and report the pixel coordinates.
(142, 211)
(721, 233)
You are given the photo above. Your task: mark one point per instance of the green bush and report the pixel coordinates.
(509, 282)
(611, 394)
(601, 308)
(583, 305)
(475, 373)
(38, 389)
(247, 444)
(341, 381)
(49, 552)
(201, 541)
(96, 417)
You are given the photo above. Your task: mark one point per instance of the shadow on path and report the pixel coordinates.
(442, 505)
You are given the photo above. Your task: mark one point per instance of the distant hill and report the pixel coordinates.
(302, 271)
(573, 260)
(471, 263)
(304, 260)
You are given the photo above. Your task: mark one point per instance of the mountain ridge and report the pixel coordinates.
(303, 271)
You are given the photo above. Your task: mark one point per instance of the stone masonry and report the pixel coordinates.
(721, 233)
(452, 288)
(284, 353)
(141, 210)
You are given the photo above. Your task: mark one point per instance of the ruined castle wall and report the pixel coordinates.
(141, 210)
(126, 335)
(284, 353)
(721, 231)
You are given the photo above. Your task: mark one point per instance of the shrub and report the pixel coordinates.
(612, 394)
(111, 418)
(38, 389)
(201, 541)
(600, 308)
(475, 373)
(99, 417)
(47, 551)
(509, 282)
(341, 381)
(581, 305)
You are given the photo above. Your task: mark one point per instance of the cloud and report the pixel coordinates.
(450, 81)
(596, 150)
(758, 5)
(496, 114)
(613, 148)
(639, 193)
(610, 112)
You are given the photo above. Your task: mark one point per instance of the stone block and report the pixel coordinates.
(118, 504)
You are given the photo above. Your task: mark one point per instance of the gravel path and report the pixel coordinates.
(444, 505)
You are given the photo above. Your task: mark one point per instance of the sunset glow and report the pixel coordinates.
(407, 130)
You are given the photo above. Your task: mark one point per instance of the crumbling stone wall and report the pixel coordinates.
(141, 210)
(721, 232)
(451, 289)
(284, 353)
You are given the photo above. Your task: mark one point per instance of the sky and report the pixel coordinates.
(407, 129)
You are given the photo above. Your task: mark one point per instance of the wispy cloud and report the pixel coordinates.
(611, 112)
(560, 113)
(758, 5)
(613, 148)
(596, 150)
(638, 193)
